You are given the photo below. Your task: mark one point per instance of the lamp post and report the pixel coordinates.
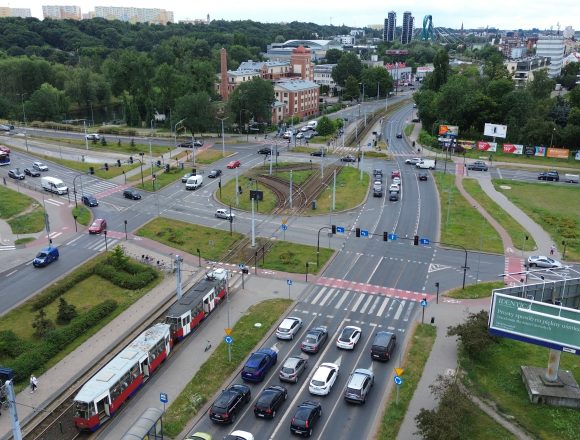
(150, 148)
(223, 140)
(141, 162)
(106, 245)
(318, 248)
(86, 139)
(552, 138)
(437, 286)
(24, 116)
(92, 114)
(75, 187)
(180, 123)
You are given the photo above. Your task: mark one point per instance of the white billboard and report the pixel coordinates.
(495, 130)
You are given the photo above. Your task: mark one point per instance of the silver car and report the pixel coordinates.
(288, 328)
(543, 261)
(293, 367)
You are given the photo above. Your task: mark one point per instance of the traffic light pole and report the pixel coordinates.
(318, 246)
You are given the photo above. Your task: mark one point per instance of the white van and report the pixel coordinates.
(194, 182)
(426, 164)
(312, 124)
(53, 185)
(572, 178)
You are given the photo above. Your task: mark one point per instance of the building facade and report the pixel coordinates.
(14, 12)
(134, 15)
(390, 26)
(61, 12)
(523, 70)
(551, 46)
(323, 77)
(408, 27)
(299, 97)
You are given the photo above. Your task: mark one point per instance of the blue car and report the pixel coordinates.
(259, 364)
(45, 257)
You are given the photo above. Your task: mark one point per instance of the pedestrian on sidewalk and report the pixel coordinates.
(33, 383)
(552, 249)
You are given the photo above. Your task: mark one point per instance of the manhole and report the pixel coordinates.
(258, 324)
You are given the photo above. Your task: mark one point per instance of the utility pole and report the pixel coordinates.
(334, 191)
(178, 261)
(290, 189)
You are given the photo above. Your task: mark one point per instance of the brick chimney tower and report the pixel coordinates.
(224, 90)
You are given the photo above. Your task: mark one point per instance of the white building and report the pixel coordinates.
(14, 12)
(551, 46)
(323, 76)
(134, 15)
(61, 12)
(346, 40)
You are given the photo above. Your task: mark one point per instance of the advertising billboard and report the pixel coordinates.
(495, 130)
(513, 148)
(467, 145)
(559, 153)
(487, 146)
(540, 151)
(448, 130)
(535, 322)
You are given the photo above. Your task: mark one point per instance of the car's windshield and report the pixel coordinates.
(41, 255)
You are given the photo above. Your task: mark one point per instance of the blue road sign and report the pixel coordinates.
(364, 233)
(424, 241)
(423, 302)
(392, 236)
(241, 265)
(398, 380)
(163, 397)
(284, 227)
(228, 340)
(340, 229)
(289, 282)
(369, 144)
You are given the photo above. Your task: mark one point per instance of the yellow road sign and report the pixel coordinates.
(284, 221)
(399, 371)
(228, 331)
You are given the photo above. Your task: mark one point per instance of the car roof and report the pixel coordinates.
(287, 322)
(292, 361)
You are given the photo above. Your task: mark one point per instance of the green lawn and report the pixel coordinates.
(513, 228)
(477, 425)
(24, 214)
(298, 177)
(481, 290)
(212, 243)
(556, 208)
(28, 223)
(350, 191)
(114, 144)
(212, 374)
(227, 196)
(162, 179)
(461, 223)
(13, 202)
(84, 215)
(292, 257)
(419, 349)
(497, 377)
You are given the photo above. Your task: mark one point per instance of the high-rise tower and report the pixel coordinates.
(408, 26)
(390, 26)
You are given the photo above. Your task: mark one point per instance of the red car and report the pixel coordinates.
(234, 164)
(395, 173)
(98, 226)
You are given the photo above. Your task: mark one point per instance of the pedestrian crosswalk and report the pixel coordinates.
(99, 188)
(99, 244)
(369, 304)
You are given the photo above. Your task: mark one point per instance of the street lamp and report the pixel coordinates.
(180, 123)
(223, 140)
(92, 114)
(318, 247)
(141, 162)
(86, 139)
(552, 138)
(24, 116)
(150, 149)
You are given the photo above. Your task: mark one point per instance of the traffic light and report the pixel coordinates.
(239, 189)
(166, 167)
(385, 236)
(119, 163)
(130, 159)
(357, 232)
(416, 240)
(334, 229)
(158, 163)
(106, 167)
(91, 170)
(194, 171)
(219, 184)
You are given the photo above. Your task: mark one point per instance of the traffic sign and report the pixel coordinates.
(228, 331)
(284, 227)
(228, 340)
(399, 371)
(424, 241)
(163, 397)
(284, 221)
(369, 145)
(364, 233)
(423, 302)
(392, 236)
(289, 282)
(398, 380)
(241, 265)
(340, 229)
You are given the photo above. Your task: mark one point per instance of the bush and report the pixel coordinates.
(66, 312)
(41, 324)
(473, 336)
(124, 278)
(10, 344)
(60, 288)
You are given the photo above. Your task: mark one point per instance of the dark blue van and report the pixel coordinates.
(45, 257)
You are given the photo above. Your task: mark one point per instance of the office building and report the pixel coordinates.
(408, 27)
(551, 46)
(390, 26)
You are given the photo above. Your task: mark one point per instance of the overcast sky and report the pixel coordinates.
(503, 14)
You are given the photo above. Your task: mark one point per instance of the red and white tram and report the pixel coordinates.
(195, 304)
(105, 392)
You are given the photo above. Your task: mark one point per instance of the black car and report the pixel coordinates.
(266, 150)
(314, 339)
(186, 144)
(16, 174)
(349, 158)
(89, 200)
(270, 401)
(305, 418)
(31, 172)
(422, 176)
(214, 173)
(229, 403)
(393, 196)
(319, 153)
(383, 346)
(131, 194)
(549, 175)
(399, 135)
(477, 166)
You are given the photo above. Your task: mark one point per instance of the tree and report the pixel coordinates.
(197, 111)
(440, 73)
(377, 79)
(474, 337)
(333, 56)
(542, 85)
(66, 312)
(560, 111)
(351, 90)
(252, 100)
(574, 97)
(41, 324)
(348, 65)
(47, 103)
(325, 126)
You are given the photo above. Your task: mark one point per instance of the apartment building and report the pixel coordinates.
(551, 46)
(61, 12)
(134, 15)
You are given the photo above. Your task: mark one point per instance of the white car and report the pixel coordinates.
(348, 338)
(542, 261)
(394, 188)
(239, 435)
(288, 328)
(92, 137)
(397, 180)
(323, 379)
(225, 214)
(413, 160)
(39, 166)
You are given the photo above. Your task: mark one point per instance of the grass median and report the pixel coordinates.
(83, 215)
(292, 257)
(212, 374)
(227, 195)
(350, 191)
(474, 291)
(23, 214)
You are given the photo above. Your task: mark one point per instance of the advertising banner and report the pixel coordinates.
(487, 146)
(495, 130)
(540, 151)
(513, 148)
(448, 130)
(577, 157)
(529, 150)
(559, 153)
(468, 145)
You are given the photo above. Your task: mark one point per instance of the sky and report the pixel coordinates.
(502, 14)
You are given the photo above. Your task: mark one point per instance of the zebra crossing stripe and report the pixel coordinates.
(409, 310)
(317, 297)
(326, 297)
(366, 304)
(383, 306)
(344, 296)
(357, 303)
(374, 306)
(400, 310)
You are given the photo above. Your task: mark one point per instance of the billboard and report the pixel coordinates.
(495, 130)
(513, 148)
(535, 322)
(559, 153)
(467, 145)
(448, 130)
(540, 151)
(487, 146)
